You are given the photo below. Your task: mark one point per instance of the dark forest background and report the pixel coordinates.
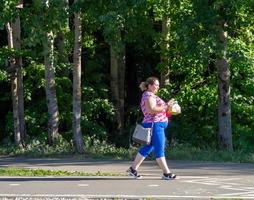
(202, 52)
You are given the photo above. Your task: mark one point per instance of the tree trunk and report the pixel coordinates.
(164, 50)
(53, 114)
(60, 45)
(114, 83)
(117, 73)
(224, 107)
(121, 86)
(14, 88)
(76, 109)
(50, 88)
(17, 46)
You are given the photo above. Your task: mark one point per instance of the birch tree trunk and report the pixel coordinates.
(76, 109)
(53, 113)
(164, 50)
(14, 88)
(52, 106)
(17, 46)
(224, 107)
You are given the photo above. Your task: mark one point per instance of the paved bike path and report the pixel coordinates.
(196, 180)
(120, 166)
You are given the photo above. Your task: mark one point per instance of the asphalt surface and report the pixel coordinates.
(196, 180)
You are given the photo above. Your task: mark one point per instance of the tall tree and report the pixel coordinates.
(49, 17)
(15, 69)
(53, 120)
(234, 32)
(76, 102)
(124, 22)
(114, 29)
(117, 74)
(212, 18)
(14, 87)
(17, 47)
(224, 105)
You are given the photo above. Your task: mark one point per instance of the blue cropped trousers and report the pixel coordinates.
(158, 140)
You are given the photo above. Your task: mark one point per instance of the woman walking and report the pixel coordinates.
(155, 115)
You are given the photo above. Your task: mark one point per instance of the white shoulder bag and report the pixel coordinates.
(142, 135)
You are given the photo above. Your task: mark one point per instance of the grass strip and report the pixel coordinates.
(42, 172)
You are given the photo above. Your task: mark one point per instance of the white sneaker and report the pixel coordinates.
(133, 173)
(168, 176)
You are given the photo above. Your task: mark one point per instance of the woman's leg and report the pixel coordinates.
(159, 146)
(141, 156)
(137, 162)
(163, 165)
(132, 171)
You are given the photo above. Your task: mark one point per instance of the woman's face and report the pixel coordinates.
(154, 87)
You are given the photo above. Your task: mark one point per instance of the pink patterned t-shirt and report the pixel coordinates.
(148, 117)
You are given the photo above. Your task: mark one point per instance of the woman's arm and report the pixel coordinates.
(152, 108)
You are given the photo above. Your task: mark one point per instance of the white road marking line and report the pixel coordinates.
(250, 188)
(122, 196)
(14, 184)
(30, 167)
(83, 185)
(223, 184)
(193, 177)
(214, 181)
(177, 177)
(249, 193)
(153, 185)
(245, 191)
(239, 188)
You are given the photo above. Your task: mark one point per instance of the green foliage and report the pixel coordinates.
(36, 123)
(97, 113)
(3, 75)
(9, 126)
(101, 149)
(136, 24)
(37, 147)
(8, 11)
(194, 87)
(94, 148)
(125, 21)
(193, 49)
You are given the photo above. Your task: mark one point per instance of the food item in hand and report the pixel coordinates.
(175, 109)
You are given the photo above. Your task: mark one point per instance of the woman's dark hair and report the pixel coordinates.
(149, 81)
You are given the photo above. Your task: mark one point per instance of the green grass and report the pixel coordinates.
(102, 150)
(186, 152)
(43, 173)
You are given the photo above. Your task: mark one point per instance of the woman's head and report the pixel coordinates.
(151, 84)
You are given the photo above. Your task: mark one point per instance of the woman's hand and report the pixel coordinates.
(170, 103)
